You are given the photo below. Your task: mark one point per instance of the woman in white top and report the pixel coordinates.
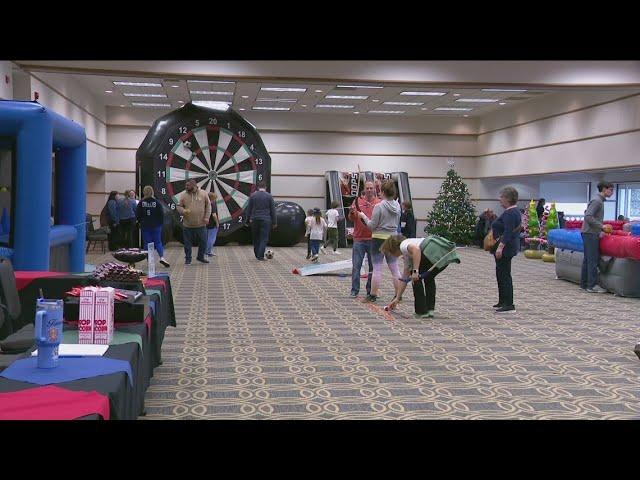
(415, 266)
(317, 227)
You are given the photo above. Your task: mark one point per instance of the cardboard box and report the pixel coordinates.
(86, 315)
(103, 322)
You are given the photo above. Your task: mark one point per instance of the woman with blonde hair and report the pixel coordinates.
(424, 258)
(150, 215)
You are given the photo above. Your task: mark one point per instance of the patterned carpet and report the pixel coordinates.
(257, 342)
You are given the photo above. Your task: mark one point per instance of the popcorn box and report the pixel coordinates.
(103, 322)
(86, 315)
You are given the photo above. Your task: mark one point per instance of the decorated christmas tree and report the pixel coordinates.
(453, 215)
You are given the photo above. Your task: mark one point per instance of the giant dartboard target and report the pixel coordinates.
(220, 150)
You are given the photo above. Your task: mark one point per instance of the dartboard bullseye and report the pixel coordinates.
(220, 150)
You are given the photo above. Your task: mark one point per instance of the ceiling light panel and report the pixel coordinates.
(454, 109)
(282, 109)
(145, 104)
(223, 106)
(137, 84)
(477, 100)
(283, 89)
(409, 104)
(430, 94)
(334, 106)
(281, 100)
(208, 92)
(512, 90)
(387, 111)
(211, 81)
(150, 95)
(357, 87)
(347, 97)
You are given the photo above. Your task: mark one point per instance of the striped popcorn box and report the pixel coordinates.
(103, 330)
(86, 315)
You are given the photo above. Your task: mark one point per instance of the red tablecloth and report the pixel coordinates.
(24, 278)
(155, 282)
(51, 403)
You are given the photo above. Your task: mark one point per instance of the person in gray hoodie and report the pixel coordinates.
(383, 223)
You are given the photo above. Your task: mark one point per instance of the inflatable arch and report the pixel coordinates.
(29, 134)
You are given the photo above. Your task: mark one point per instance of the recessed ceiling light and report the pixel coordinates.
(209, 81)
(224, 106)
(502, 90)
(137, 84)
(477, 100)
(153, 95)
(144, 104)
(386, 111)
(348, 97)
(283, 100)
(282, 89)
(334, 106)
(502, 103)
(108, 91)
(208, 92)
(414, 104)
(358, 86)
(434, 94)
(245, 96)
(175, 86)
(455, 109)
(456, 94)
(284, 109)
(375, 100)
(318, 91)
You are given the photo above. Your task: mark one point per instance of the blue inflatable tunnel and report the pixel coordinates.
(567, 239)
(34, 133)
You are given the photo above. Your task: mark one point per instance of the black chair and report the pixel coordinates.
(21, 340)
(101, 235)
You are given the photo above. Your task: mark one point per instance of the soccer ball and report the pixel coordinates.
(269, 254)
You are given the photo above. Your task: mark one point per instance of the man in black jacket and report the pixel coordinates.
(261, 215)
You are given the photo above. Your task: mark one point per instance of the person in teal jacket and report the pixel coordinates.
(420, 254)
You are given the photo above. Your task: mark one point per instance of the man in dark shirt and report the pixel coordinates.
(261, 215)
(592, 229)
(506, 230)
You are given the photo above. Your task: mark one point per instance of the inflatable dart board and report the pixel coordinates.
(217, 148)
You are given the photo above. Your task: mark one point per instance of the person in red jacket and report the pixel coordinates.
(362, 237)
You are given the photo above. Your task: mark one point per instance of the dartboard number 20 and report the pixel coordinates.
(219, 157)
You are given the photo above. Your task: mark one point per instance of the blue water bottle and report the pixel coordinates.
(48, 331)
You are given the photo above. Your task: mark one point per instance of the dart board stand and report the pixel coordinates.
(218, 149)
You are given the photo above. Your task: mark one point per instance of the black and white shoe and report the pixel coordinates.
(506, 309)
(371, 298)
(164, 263)
(497, 305)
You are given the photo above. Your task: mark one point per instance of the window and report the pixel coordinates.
(629, 200)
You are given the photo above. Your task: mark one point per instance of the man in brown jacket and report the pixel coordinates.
(195, 208)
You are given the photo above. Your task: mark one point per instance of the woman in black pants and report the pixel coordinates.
(506, 231)
(413, 250)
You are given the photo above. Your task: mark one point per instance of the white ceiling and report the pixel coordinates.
(310, 97)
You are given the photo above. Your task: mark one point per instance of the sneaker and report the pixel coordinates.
(202, 260)
(336, 252)
(214, 254)
(187, 262)
(209, 254)
(353, 294)
(308, 256)
(430, 314)
(506, 309)
(371, 298)
(261, 259)
(597, 289)
(164, 263)
(323, 250)
(314, 257)
(497, 305)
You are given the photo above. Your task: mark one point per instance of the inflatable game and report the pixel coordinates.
(217, 148)
(343, 187)
(43, 220)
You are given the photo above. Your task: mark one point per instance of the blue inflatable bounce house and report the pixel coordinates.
(43, 169)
